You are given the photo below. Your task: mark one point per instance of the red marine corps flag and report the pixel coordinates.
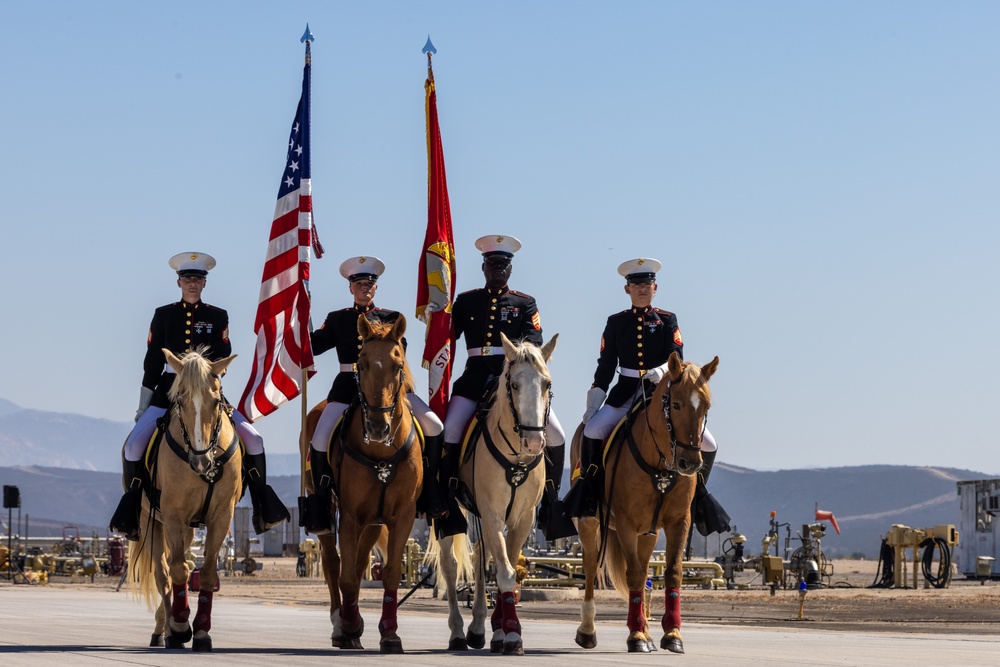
(436, 282)
(284, 353)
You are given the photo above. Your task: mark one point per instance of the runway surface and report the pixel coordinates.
(47, 626)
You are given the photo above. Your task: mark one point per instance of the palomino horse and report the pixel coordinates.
(505, 483)
(649, 485)
(196, 472)
(378, 475)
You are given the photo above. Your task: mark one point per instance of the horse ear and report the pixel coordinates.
(398, 328)
(509, 351)
(549, 348)
(218, 367)
(173, 360)
(674, 366)
(708, 370)
(364, 327)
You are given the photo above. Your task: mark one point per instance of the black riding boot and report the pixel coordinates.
(553, 520)
(315, 508)
(583, 498)
(707, 514)
(452, 521)
(433, 500)
(268, 510)
(126, 517)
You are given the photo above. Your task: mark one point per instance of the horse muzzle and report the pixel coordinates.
(532, 444)
(687, 466)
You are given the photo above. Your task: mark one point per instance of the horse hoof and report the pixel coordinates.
(181, 637)
(586, 640)
(390, 646)
(637, 646)
(476, 640)
(672, 644)
(496, 646)
(202, 644)
(460, 644)
(156, 640)
(348, 643)
(513, 648)
(652, 645)
(170, 642)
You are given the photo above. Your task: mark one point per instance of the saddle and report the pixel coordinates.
(618, 432)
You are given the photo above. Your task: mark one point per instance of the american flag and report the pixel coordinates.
(283, 349)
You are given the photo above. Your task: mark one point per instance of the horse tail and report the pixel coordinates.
(460, 549)
(382, 542)
(615, 563)
(141, 580)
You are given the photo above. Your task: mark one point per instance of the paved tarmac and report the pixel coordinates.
(47, 626)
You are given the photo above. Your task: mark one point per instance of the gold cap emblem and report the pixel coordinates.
(641, 262)
(361, 260)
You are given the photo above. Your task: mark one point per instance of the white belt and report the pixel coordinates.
(485, 351)
(347, 368)
(632, 372)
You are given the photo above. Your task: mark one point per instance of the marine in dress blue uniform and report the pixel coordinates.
(637, 342)
(339, 332)
(480, 316)
(183, 326)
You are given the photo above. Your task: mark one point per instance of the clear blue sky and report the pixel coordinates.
(820, 180)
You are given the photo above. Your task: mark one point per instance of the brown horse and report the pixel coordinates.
(649, 485)
(197, 474)
(378, 475)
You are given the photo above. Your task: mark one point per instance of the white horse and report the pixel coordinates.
(505, 478)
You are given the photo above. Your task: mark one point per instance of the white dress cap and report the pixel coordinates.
(506, 245)
(365, 267)
(641, 269)
(192, 263)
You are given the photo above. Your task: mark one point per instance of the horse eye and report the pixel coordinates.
(514, 386)
(676, 405)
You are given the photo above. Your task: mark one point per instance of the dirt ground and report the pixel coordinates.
(847, 604)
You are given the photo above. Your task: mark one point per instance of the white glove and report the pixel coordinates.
(595, 399)
(145, 398)
(654, 375)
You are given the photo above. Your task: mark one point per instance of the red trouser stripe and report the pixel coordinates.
(672, 612)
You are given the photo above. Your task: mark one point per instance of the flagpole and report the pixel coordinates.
(308, 38)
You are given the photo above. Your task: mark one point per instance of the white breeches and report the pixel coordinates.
(601, 424)
(429, 422)
(461, 409)
(138, 439)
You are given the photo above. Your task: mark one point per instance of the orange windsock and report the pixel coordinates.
(828, 516)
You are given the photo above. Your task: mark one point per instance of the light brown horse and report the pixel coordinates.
(197, 474)
(505, 481)
(378, 475)
(650, 477)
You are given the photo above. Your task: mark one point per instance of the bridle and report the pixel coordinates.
(189, 452)
(390, 409)
(518, 426)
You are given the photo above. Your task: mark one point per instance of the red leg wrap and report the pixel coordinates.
(672, 611)
(496, 619)
(203, 619)
(507, 605)
(389, 622)
(636, 619)
(349, 611)
(179, 610)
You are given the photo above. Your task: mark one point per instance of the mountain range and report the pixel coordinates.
(67, 468)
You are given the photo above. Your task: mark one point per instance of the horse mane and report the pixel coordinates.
(530, 353)
(691, 373)
(193, 375)
(380, 330)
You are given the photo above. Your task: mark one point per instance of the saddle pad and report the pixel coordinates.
(638, 406)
